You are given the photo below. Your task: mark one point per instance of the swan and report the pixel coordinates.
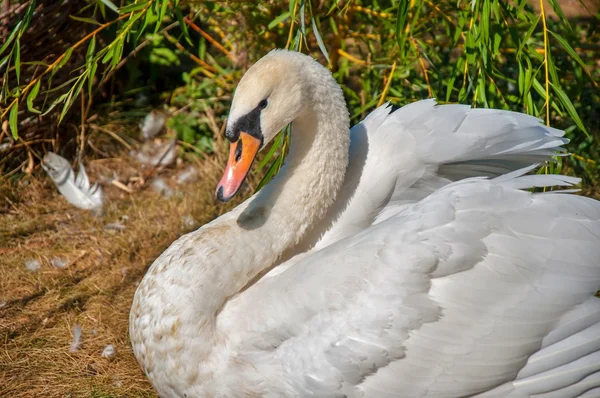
(405, 257)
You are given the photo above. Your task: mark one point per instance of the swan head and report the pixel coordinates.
(268, 97)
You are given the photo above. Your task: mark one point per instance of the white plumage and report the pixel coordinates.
(76, 190)
(406, 259)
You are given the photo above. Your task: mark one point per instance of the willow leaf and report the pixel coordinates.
(13, 120)
(320, 40)
(566, 102)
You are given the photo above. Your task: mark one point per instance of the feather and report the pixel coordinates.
(32, 264)
(115, 226)
(161, 187)
(109, 351)
(153, 123)
(76, 190)
(76, 342)
(58, 262)
(187, 176)
(157, 153)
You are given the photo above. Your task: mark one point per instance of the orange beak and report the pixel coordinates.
(241, 156)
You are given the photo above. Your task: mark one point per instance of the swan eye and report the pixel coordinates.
(263, 104)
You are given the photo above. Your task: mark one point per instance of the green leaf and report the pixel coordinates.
(32, 95)
(4, 61)
(62, 85)
(564, 44)
(275, 166)
(527, 35)
(149, 17)
(320, 40)
(485, 21)
(55, 102)
(558, 10)
(65, 58)
(161, 15)
(13, 120)
(90, 52)
(132, 7)
(278, 20)
(537, 86)
(496, 43)
(86, 20)
(269, 156)
(118, 52)
(109, 55)
(401, 23)
(183, 26)
(528, 76)
(11, 37)
(90, 78)
(552, 70)
(18, 59)
(566, 102)
(292, 6)
(110, 5)
(302, 26)
(66, 105)
(521, 79)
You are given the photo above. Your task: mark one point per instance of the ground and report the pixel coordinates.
(39, 309)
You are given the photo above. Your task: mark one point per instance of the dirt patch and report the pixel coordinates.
(104, 263)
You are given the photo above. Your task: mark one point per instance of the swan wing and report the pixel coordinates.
(449, 297)
(401, 155)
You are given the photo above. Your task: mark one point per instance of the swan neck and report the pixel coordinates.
(314, 170)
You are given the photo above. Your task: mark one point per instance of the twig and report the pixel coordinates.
(352, 58)
(112, 134)
(292, 21)
(413, 41)
(387, 85)
(121, 186)
(582, 159)
(210, 39)
(371, 12)
(197, 60)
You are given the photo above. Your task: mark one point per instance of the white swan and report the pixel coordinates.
(378, 276)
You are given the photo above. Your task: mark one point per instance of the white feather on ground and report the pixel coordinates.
(58, 262)
(32, 264)
(76, 342)
(187, 176)
(153, 123)
(76, 190)
(156, 153)
(109, 351)
(159, 186)
(115, 226)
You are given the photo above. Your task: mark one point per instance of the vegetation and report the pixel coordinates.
(489, 53)
(78, 80)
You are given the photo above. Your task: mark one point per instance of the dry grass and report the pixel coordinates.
(40, 308)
